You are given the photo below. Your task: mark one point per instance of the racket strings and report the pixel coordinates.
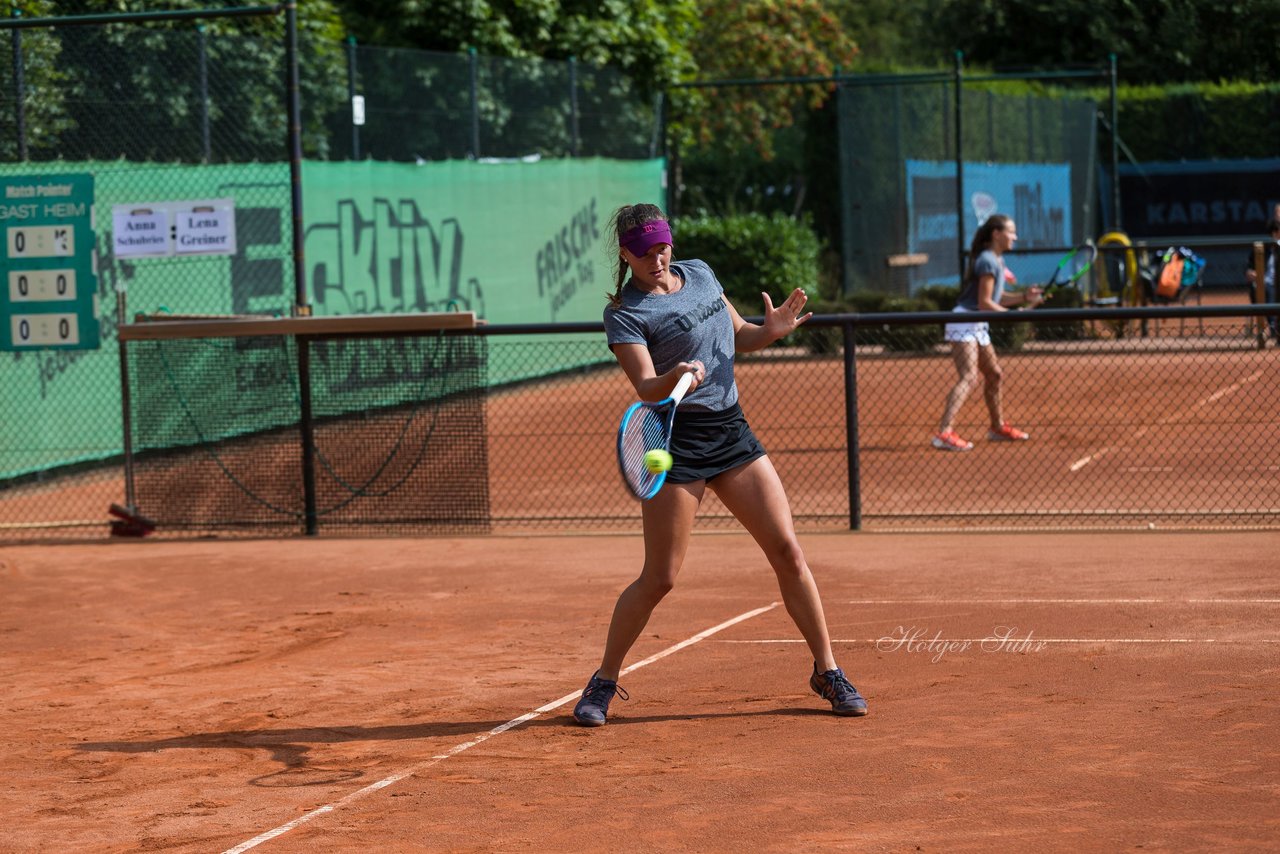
(1080, 262)
(645, 430)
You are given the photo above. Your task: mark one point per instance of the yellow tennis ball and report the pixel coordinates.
(657, 461)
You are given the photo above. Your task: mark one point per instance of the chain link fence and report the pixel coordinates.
(905, 223)
(157, 112)
(874, 171)
(411, 105)
(1138, 417)
(150, 115)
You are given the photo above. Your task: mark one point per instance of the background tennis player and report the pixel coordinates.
(971, 348)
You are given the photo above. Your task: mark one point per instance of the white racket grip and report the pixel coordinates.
(682, 387)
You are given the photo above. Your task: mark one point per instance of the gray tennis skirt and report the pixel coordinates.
(706, 444)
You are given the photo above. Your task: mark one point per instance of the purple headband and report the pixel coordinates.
(640, 239)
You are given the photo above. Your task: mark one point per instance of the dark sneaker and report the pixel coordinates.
(593, 708)
(833, 686)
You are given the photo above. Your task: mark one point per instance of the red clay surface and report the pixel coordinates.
(196, 696)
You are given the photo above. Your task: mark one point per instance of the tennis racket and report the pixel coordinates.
(1073, 266)
(645, 427)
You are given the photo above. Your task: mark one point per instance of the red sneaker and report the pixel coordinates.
(1007, 433)
(951, 441)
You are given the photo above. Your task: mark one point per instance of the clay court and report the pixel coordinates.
(1028, 691)
(1108, 688)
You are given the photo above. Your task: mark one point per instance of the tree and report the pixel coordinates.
(648, 39)
(1156, 41)
(44, 108)
(780, 40)
(891, 34)
(132, 89)
(753, 147)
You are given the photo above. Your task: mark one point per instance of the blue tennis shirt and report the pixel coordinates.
(692, 323)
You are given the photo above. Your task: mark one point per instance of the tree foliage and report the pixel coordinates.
(132, 88)
(649, 39)
(43, 118)
(775, 40)
(891, 35)
(1155, 41)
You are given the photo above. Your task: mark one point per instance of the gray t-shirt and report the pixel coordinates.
(692, 323)
(986, 264)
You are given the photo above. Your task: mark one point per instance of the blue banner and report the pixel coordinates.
(1036, 195)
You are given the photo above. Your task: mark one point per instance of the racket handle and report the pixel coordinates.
(682, 387)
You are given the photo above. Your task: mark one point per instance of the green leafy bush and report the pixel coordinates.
(751, 253)
(1194, 121)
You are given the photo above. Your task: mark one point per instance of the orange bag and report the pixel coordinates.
(1170, 276)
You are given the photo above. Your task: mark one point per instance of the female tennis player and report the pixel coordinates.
(667, 318)
(971, 348)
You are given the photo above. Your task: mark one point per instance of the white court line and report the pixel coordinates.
(1062, 601)
(466, 745)
(898, 641)
(1142, 431)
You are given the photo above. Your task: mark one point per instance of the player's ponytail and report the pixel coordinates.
(982, 240)
(624, 219)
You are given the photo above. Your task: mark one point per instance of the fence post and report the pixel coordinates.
(842, 180)
(475, 104)
(658, 142)
(1259, 295)
(351, 96)
(991, 125)
(202, 47)
(573, 106)
(1031, 130)
(1117, 219)
(19, 90)
(959, 109)
(301, 307)
(851, 426)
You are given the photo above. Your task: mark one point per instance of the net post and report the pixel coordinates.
(126, 404)
(851, 426)
(306, 428)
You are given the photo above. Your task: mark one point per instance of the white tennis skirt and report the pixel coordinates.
(978, 333)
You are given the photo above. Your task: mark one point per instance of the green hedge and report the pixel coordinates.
(751, 253)
(1197, 121)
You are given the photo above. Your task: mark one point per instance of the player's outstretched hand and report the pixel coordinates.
(786, 317)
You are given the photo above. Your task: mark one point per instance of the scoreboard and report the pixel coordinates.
(48, 284)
